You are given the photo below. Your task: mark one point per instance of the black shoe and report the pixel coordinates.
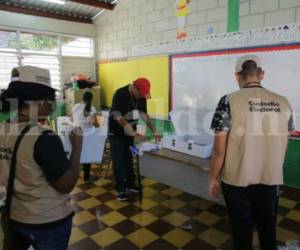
(122, 196)
(133, 190)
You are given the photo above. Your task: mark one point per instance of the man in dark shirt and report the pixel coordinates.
(128, 106)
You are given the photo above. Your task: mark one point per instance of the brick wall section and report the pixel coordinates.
(135, 22)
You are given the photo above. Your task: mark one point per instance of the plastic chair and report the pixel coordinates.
(106, 160)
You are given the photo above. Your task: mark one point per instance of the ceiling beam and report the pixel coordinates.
(42, 13)
(96, 3)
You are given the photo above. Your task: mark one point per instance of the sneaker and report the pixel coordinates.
(122, 196)
(133, 189)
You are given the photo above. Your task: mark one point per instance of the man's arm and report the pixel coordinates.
(126, 125)
(147, 119)
(218, 154)
(221, 126)
(61, 173)
(217, 162)
(128, 129)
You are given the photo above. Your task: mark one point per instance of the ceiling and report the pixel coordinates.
(82, 11)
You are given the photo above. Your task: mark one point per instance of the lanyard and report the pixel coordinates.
(134, 103)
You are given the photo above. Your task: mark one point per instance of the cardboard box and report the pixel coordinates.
(75, 96)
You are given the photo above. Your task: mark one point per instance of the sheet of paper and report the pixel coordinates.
(149, 147)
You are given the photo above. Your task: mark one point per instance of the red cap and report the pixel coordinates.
(143, 85)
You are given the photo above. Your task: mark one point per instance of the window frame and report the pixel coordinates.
(20, 54)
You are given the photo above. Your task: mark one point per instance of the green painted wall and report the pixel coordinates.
(292, 164)
(233, 20)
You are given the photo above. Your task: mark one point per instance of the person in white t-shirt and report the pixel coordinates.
(84, 116)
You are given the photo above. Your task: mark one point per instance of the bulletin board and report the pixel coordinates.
(114, 75)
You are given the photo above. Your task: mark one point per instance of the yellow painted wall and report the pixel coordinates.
(114, 75)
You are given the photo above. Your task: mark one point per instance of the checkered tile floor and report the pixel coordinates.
(103, 222)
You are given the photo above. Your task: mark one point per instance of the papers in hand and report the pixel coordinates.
(144, 147)
(149, 147)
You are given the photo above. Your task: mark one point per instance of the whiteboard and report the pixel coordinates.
(199, 80)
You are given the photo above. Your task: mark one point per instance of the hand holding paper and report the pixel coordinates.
(76, 137)
(145, 147)
(139, 138)
(157, 137)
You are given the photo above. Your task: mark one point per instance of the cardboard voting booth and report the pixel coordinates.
(93, 140)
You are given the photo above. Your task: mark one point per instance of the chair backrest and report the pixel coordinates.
(105, 115)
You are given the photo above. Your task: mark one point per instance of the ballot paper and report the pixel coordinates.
(149, 147)
(145, 147)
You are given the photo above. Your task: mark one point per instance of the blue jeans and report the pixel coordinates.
(56, 238)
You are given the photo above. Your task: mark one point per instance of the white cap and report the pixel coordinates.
(242, 60)
(31, 74)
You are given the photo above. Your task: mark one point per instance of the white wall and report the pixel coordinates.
(14, 20)
(71, 65)
(135, 22)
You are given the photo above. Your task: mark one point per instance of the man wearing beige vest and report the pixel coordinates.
(251, 135)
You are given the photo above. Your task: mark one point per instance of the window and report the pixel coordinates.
(81, 47)
(35, 43)
(8, 56)
(42, 50)
(8, 41)
(7, 63)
